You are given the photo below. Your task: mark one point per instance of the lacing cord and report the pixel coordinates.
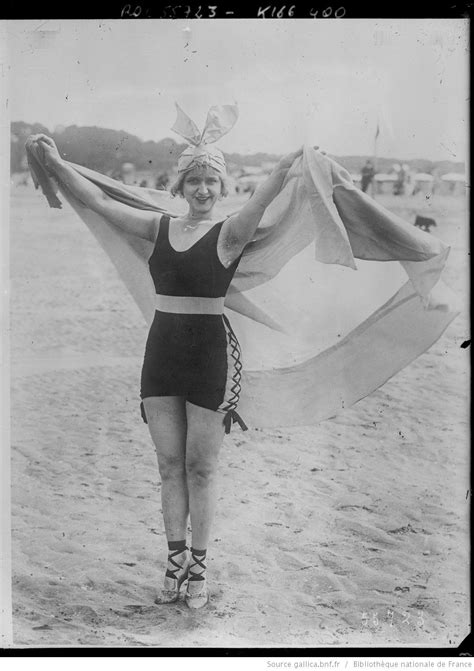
(170, 573)
(230, 418)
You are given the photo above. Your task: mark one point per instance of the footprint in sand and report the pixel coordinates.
(79, 611)
(403, 530)
(137, 609)
(42, 627)
(356, 507)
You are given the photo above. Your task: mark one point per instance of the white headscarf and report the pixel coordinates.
(220, 120)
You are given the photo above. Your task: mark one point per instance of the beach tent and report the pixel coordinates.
(423, 183)
(453, 184)
(384, 182)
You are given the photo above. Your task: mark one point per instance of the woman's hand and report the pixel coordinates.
(287, 161)
(51, 153)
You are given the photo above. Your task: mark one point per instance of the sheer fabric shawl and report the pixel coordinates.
(318, 330)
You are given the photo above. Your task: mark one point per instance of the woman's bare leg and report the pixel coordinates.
(203, 442)
(166, 416)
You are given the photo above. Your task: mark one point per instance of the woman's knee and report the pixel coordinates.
(171, 467)
(201, 470)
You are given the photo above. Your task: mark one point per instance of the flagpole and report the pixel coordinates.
(377, 133)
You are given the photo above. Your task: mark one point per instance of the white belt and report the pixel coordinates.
(201, 305)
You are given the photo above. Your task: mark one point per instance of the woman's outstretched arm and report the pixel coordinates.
(239, 229)
(142, 223)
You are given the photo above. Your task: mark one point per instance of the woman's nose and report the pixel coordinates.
(202, 188)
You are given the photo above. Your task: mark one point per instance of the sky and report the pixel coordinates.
(295, 81)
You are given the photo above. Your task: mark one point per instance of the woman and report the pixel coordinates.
(191, 371)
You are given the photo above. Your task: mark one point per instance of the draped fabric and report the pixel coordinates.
(318, 330)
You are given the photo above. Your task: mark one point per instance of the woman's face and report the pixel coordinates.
(202, 188)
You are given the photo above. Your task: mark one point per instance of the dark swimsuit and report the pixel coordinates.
(192, 355)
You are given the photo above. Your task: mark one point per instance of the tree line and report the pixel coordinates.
(101, 149)
(105, 150)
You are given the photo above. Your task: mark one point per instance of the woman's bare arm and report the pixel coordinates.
(239, 229)
(142, 223)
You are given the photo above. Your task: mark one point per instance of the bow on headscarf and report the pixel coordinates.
(220, 119)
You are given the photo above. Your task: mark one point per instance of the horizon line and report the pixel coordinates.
(368, 155)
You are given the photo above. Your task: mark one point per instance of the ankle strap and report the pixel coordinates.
(197, 561)
(170, 572)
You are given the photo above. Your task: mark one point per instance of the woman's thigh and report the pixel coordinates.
(166, 417)
(205, 435)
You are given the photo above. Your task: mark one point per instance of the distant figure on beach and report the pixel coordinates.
(367, 175)
(399, 184)
(409, 183)
(128, 174)
(162, 181)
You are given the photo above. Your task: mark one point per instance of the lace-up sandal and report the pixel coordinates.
(176, 574)
(197, 594)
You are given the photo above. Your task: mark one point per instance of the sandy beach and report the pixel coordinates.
(353, 532)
